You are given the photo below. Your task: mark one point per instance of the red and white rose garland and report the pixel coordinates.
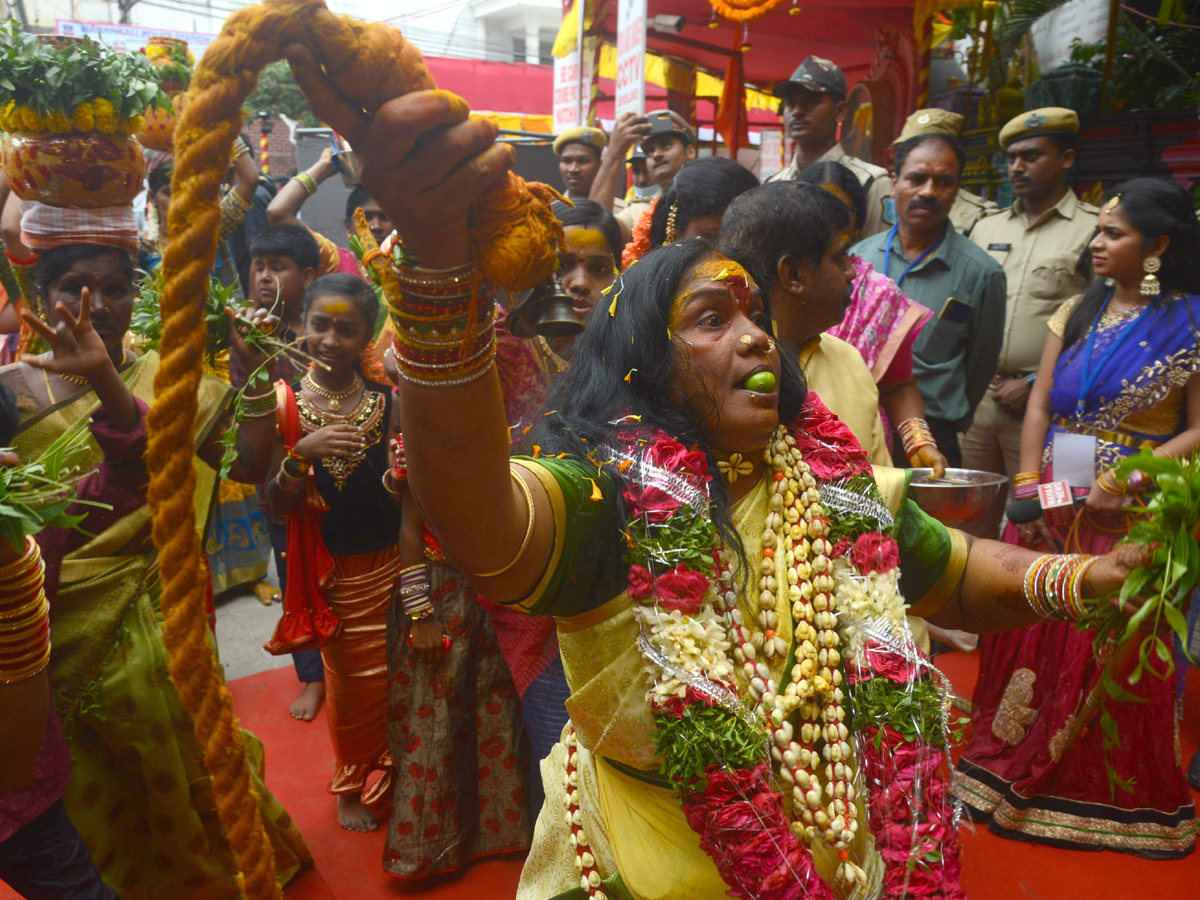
(720, 716)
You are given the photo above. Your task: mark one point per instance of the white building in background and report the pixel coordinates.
(494, 30)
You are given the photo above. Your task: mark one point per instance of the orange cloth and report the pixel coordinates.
(356, 671)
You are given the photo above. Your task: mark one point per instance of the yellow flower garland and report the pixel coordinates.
(91, 115)
(744, 10)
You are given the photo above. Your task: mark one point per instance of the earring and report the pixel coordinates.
(669, 238)
(1150, 286)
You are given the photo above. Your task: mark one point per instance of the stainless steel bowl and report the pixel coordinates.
(959, 497)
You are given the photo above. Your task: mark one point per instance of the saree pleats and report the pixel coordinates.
(356, 672)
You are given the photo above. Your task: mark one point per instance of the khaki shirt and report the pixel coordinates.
(968, 209)
(1042, 264)
(631, 212)
(874, 178)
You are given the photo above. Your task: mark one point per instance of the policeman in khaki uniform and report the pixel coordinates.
(1039, 241)
(968, 208)
(579, 150)
(813, 104)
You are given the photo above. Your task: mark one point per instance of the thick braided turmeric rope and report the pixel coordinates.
(515, 241)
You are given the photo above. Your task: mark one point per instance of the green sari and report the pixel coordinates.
(139, 793)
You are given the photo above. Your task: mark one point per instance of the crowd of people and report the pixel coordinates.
(455, 497)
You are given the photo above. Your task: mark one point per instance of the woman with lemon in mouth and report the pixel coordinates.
(723, 564)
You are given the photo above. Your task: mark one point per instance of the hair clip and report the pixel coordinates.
(1112, 203)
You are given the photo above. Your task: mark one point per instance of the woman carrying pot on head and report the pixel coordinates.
(140, 794)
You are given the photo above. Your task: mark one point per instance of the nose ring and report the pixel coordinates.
(747, 341)
(770, 345)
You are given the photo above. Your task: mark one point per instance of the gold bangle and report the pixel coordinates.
(1116, 490)
(289, 484)
(307, 182)
(22, 564)
(528, 531)
(387, 479)
(1027, 478)
(28, 671)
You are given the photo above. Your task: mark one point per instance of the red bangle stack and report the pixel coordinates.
(24, 617)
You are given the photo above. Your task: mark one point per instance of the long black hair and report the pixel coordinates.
(635, 341)
(703, 187)
(1156, 207)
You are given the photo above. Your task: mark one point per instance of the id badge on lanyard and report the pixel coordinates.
(1074, 459)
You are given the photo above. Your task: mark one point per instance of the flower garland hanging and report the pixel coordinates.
(744, 10)
(728, 737)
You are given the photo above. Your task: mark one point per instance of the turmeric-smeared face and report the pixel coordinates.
(721, 332)
(587, 267)
(337, 332)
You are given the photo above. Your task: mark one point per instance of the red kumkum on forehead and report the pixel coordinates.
(724, 271)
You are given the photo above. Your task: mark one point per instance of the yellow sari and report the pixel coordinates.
(632, 818)
(139, 793)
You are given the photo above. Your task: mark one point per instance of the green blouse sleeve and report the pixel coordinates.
(932, 559)
(585, 568)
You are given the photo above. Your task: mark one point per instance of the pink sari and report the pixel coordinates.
(881, 322)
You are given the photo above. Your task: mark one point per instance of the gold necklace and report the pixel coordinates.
(81, 379)
(335, 398)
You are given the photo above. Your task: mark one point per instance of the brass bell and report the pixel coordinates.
(547, 311)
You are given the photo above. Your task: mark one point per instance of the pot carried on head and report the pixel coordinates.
(83, 155)
(174, 61)
(84, 170)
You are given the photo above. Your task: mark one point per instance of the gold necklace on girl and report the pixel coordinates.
(334, 398)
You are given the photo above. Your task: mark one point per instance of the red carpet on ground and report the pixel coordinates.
(348, 866)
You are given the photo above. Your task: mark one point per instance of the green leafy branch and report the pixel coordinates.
(1169, 522)
(146, 325)
(36, 494)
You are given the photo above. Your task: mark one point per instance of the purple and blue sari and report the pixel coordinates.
(1124, 383)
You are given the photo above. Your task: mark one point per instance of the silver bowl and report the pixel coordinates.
(963, 494)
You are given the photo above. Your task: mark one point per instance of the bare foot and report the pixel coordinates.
(352, 815)
(306, 705)
(266, 593)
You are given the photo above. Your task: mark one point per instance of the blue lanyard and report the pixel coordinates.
(887, 258)
(1089, 375)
